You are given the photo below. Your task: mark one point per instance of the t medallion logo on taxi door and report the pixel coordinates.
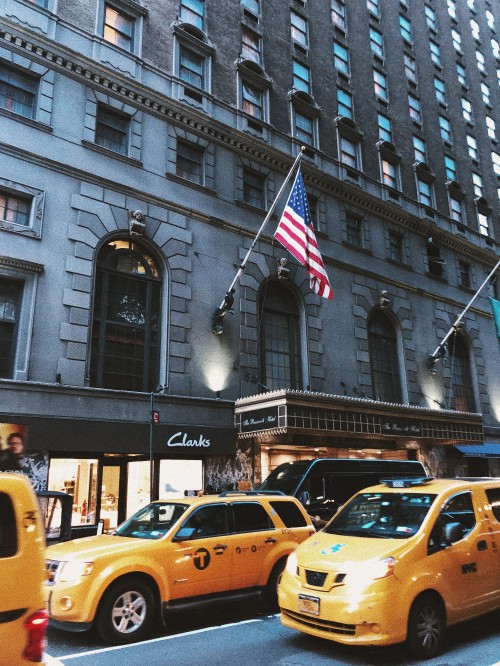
(201, 558)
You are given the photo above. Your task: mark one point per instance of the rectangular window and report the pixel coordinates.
(373, 7)
(395, 246)
(189, 162)
(377, 43)
(15, 209)
(477, 183)
(414, 107)
(405, 28)
(483, 223)
(17, 91)
(451, 168)
(389, 174)
(495, 158)
(474, 26)
(419, 149)
(353, 229)
(472, 146)
(480, 61)
(112, 130)
(250, 45)
(253, 188)
(491, 19)
(304, 129)
(456, 210)
(485, 92)
(252, 100)
(191, 68)
(118, 28)
(301, 77)
(466, 110)
(452, 8)
(380, 85)
(424, 192)
(410, 68)
(192, 11)
(384, 128)
(464, 274)
(338, 14)
(341, 58)
(461, 74)
(298, 29)
(252, 6)
(491, 127)
(10, 296)
(444, 128)
(457, 40)
(344, 103)
(430, 17)
(440, 90)
(495, 47)
(348, 152)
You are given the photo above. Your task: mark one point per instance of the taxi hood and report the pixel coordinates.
(92, 547)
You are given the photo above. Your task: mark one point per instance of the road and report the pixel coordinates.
(244, 634)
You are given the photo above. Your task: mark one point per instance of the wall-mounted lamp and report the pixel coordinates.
(221, 312)
(283, 271)
(384, 301)
(136, 223)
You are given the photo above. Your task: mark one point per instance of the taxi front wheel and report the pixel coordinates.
(426, 626)
(272, 584)
(126, 612)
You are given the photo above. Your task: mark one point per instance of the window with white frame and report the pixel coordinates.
(192, 67)
(298, 26)
(457, 40)
(419, 149)
(491, 127)
(456, 209)
(466, 109)
(252, 100)
(301, 77)
(495, 47)
(304, 128)
(384, 128)
(190, 162)
(410, 68)
(118, 28)
(414, 108)
(373, 7)
(21, 207)
(348, 152)
(341, 58)
(490, 19)
(112, 130)
(474, 26)
(15, 209)
(389, 172)
(440, 90)
(483, 222)
(461, 74)
(252, 6)
(452, 8)
(377, 43)
(250, 45)
(480, 61)
(344, 103)
(477, 183)
(445, 129)
(424, 192)
(380, 85)
(472, 146)
(430, 17)
(450, 167)
(405, 28)
(485, 93)
(338, 14)
(471, 4)
(193, 11)
(18, 91)
(435, 53)
(495, 158)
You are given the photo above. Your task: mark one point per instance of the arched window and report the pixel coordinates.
(462, 399)
(125, 324)
(280, 358)
(382, 345)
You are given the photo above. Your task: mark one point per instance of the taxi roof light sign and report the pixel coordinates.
(406, 483)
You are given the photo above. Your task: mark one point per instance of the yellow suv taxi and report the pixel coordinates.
(169, 554)
(399, 562)
(23, 618)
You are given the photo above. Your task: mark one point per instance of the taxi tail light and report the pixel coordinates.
(36, 626)
(312, 531)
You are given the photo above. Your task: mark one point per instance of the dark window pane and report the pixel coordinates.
(15, 209)
(17, 91)
(384, 359)
(189, 162)
(8, 528)
(112, 131)
(289, 513)
(250, 517)
(253, 188)
(9, 316)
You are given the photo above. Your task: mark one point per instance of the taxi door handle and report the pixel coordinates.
(270, 540)
(219, 548)
(482, 545)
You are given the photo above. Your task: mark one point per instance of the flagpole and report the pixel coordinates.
(227, 303)
(440, 351)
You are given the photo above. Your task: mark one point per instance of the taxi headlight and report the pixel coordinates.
(291, 564)
(71, 571)
(371, 570)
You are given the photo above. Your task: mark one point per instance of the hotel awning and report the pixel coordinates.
(486, 450)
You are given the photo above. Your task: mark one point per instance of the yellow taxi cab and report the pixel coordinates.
(399, 562)
(172, 554)
(23, 618)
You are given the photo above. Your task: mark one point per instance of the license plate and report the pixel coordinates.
(308, 604)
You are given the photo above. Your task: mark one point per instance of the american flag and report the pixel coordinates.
(295, 231)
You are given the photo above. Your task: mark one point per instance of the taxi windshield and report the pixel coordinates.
(152, 521)
(382, 515)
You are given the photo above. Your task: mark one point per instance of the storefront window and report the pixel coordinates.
(137, 485)
(180, 476)
(77, 477)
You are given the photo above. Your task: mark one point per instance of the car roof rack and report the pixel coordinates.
(227, 493)
(408, 482)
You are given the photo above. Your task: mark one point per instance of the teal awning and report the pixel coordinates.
(486, 450)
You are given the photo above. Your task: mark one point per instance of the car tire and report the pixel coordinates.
(272, 584)
(126, 612)
(426, 627)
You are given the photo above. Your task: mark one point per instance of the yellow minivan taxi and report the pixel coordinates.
(171, 554)
(23, 618)
(399, 562)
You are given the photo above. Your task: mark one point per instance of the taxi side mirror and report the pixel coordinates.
(453, 532)
(184, 534)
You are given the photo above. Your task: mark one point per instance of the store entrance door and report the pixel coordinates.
(110, 495)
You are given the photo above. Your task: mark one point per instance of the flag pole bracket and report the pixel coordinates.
(221, 312)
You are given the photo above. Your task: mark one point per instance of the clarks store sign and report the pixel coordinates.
(261, 419)
(184, 439)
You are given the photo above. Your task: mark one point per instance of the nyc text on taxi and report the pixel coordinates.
(171, 554)
(399, 564)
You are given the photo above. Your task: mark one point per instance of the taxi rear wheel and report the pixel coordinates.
(126, 612)
(426, 626)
